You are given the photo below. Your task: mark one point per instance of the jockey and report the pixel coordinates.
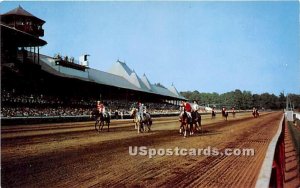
(145, 109)
(187, 108)
(101, 108)
(141, 110)
(195, 107)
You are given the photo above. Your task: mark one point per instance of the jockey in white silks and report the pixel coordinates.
(141, 110)
(195, 106)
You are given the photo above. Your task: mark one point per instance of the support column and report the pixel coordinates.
(38, 55)
(34, 54)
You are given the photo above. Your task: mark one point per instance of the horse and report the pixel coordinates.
(255, 113)
(141, 122)
(224, 114)
(196, 120)
(184, 123)
(101, 119)
(213, 114)
(233, 112)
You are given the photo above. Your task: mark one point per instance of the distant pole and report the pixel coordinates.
(287, 102)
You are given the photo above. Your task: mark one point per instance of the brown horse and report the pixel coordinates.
(184, 124)
(101, 120)
(224, 113)
(196, 120)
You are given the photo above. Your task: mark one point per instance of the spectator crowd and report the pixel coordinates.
(14, 104)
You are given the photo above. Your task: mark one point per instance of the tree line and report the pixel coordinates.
(242, 99)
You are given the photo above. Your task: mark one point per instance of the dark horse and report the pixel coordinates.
(101, 120)
(196, 120)
(224, 114)
(213, 114)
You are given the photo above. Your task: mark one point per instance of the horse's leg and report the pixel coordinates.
(101, 124)
(135, 123)
(200, 125)
(185, 129)
(196, 128)
(148, 124)
(99, 128)
(141, 127)
(96, 125)
(107, 126)
(180, 128)
(144, 125)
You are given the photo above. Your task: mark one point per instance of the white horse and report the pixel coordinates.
(141, 122)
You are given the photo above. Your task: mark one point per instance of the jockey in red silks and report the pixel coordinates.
(101, 107)
(186, 107)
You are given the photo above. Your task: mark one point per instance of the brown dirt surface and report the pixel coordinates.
(75, 155)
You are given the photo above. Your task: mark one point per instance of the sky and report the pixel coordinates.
(196, 45)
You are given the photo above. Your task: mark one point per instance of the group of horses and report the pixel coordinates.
(142, 124)
(100, 120)
(142, 121)
(188, 123)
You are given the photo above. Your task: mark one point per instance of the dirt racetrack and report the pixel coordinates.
(75, 155)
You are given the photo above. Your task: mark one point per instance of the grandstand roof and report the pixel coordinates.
(174, 90)
(146, 82)
(120, 75)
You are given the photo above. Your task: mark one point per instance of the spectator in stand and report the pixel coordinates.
(116, 114)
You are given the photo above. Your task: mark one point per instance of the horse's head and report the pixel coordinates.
(184, 118)
(133, 112)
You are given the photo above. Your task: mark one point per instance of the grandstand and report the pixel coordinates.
(33, 83)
